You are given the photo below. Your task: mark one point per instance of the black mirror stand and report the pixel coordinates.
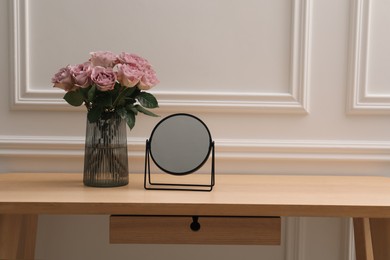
(150, 185)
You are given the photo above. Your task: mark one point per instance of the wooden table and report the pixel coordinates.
(366, 199)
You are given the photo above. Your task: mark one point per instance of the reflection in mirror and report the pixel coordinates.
(180, 144)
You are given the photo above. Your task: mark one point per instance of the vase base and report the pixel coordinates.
(105, 184)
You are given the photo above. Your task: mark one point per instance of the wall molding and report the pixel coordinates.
(360, 100)
(349, 238)
(300, 150)
(26, 97)
(295, 229)
(336, 150)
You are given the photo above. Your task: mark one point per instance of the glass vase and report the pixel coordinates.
(105, 158)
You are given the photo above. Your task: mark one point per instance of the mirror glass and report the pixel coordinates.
(180, 144)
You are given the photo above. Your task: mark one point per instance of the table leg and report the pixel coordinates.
(380, 233)
(17, 236)
(363, 242)
(372, 238)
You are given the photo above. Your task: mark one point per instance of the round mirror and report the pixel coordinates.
(180, 144)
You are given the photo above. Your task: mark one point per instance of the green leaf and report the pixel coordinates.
(84, 91)
(135, 91)
(145, 111)
(74, 98)
(130, 119)
(132, 109)
(120, 99)
(130, 91)
(94, 113)
(122, 112)
(91, 93)
(147, 100)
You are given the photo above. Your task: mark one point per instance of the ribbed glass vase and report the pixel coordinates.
(105, 158)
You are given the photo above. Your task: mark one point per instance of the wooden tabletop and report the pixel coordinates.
(233, 195)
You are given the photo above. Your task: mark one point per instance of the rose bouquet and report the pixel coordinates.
(110, 83)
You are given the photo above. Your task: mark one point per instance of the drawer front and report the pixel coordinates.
(195, 230)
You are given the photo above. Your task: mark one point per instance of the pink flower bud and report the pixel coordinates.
(105, 59)
(63, 79)
(148, 80)
(81, 74)
(104, 78)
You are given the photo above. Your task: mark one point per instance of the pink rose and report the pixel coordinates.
(133, 59)
(81, 74)
(104, 78)
(105, 59)
(63, 79)
(128, 75)
(148, 80)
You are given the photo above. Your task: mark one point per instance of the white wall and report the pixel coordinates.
(286, 87)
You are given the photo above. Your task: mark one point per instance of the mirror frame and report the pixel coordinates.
(190, 170)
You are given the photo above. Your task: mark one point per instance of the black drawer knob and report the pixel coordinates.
(195, 225)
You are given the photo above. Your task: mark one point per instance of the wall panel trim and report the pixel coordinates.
(360, 100)
(225, 149)
(25, 97)
(295, 238)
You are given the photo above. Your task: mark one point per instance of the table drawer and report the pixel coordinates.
(195, 230)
